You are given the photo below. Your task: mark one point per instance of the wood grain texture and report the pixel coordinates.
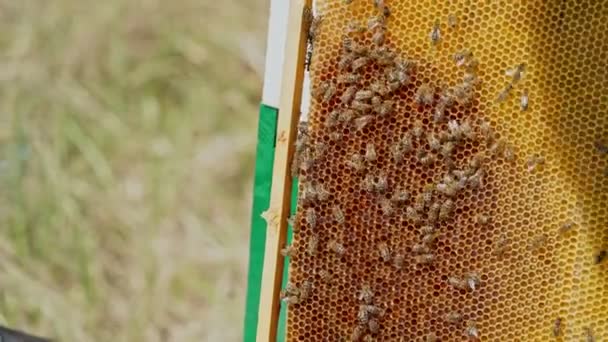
(276, 215)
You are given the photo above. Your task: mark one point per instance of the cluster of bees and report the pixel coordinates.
(358, 106)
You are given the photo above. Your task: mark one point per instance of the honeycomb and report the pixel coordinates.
(516, 254)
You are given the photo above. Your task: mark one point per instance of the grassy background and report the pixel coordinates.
(127, 136)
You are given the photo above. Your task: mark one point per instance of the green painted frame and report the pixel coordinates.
(267, 126)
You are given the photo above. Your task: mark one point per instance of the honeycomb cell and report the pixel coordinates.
(522, 290)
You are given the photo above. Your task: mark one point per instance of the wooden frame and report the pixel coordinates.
(276, 215)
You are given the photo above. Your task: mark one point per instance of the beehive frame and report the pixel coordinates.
(582, 208)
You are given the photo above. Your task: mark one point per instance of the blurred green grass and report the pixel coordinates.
(127, 137)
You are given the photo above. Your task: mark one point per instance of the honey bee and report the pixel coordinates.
(291, 221)
(346, 116)
(419, 203)
(458, 283)
(383, 55)
(398, 261)
(427, 229)
(434, 143)
(486, 131)
(366, 295)
(501, 246)
(363, 315)
(357, 334)
(467, 130)
(455, 130)
(439, 112)
(385, 108)
(566, 227)
(426, 158)
(516, 73)
(378, 3)
(589, 334)
(370, 152)
(290, 300)
(311, 218)
(601, 146)
(338, 214)
(463, 93)
(290, 290)
(385, 252)
(421, 248)
(400, 196)
(378, 37)
(429, 239)
(447, 148)
(325, 276)
(446, 209)
(288, 251)
(337, 248)
(348, 45)
(413, 215)
(600, 256)
(353, 26)
(372, 310)
(433, 214)
(309, 194)
(345, 61)
(356, 161)
(368, 183)
(431, 337)
(313, 245)
(362, 121)
(405, 144)
(508, 153)
(393, 85)
(461, 57)
(359, 49)
(424, 94)
(381, 184)
(435, 34)
(557, 327)
(380, 88)
(320, 90)
(305, 290)
(348, 78)
(335, 136)
(424, 259)
(376, 102)
(322, 193)
(329, 92)
(453, 317)
(476, 180)
(449, 188)
(482, 219)
(301, 143)
(473, 280)
(471, 330)
(502, 96)
(537, 242)
(362, 95)
(452, 22)
(534, 162)
(360, 106)
(373, 325)
(387, 207)
(376, 22)
(332, 119)
(523, 102)
(359, 63)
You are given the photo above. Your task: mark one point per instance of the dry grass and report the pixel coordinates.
(127, 136)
